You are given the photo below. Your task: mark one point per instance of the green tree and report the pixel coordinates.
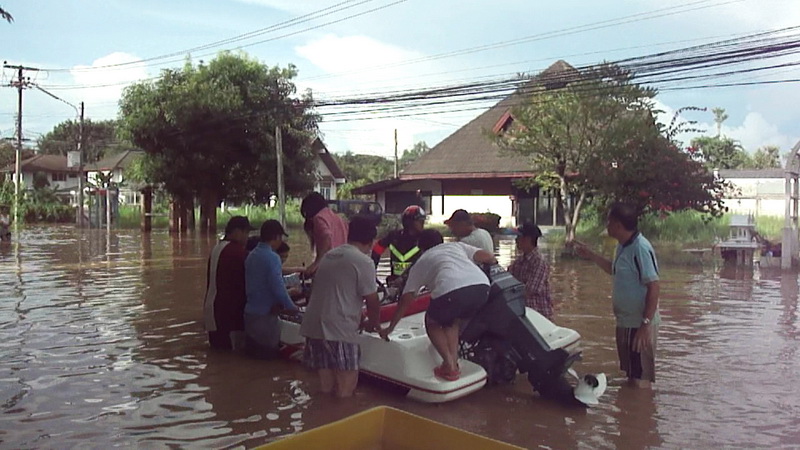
(362, 169)
(99, 139)
(209, 131)
(767, 157)
(719, 117)
(564, 131)
(412, 154)
(721, 152)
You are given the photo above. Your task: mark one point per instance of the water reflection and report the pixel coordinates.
(101, 342)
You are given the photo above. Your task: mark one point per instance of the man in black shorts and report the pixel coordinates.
(459, 288)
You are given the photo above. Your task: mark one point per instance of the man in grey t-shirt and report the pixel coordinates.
(344, 280)
(462, 227)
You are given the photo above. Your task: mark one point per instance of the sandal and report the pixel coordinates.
(441, 372)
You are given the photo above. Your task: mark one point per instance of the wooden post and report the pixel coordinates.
(147, 209)
(190, 219)
(173, 215)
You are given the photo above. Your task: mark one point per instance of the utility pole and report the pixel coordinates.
(395, 153)
(20, 83)
(281, 193)
(80, 170)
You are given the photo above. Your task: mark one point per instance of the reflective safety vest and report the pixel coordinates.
(401, 261)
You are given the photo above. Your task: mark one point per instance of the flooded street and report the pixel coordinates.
(101, 344)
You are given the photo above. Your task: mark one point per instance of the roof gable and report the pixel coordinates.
(322, 151)
(469, 151)
(42, 163)
(119, 160)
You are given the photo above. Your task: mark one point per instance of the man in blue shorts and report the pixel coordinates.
(344, 279)
(635, 293)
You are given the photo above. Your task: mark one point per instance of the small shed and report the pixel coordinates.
(741, 244)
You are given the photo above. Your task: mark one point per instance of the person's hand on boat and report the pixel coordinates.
(385, 332)
(369, 327)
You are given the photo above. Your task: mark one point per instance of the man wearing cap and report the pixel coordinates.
(344, 282)
(462, 227)
(531, 269)
(223, 308)
(266, 293)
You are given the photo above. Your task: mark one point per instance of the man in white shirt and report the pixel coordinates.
(462, 227)
(459, 288)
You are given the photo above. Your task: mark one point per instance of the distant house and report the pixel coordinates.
(115, 165)
(466, 170)
(328, 175)
(52, 168)
(757, 192)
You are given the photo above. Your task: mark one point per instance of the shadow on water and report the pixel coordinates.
(101, 342)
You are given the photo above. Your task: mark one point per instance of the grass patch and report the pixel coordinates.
(770, 227)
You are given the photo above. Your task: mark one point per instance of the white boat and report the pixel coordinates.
(407, 360)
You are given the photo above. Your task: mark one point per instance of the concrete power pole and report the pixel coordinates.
(80, 170)
(395, 153)
(20, 83)
(281, 193)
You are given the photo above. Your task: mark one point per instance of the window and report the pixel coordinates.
(325, 190)
(59, 176)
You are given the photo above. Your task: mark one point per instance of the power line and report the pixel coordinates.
(283, 25)
(654, 14)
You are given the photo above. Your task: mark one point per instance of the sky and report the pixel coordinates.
(375, 46)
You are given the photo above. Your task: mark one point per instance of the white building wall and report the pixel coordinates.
(757, 196)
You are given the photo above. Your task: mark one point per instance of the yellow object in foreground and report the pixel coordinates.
(385, 428)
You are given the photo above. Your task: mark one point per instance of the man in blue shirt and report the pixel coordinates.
(266, 293)
(635, 293)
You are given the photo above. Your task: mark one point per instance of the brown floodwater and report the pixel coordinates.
(101, 344)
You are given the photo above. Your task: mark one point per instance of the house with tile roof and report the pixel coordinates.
(115, 165)
(59, 176)
(468, 171)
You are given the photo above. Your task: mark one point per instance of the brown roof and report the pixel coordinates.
(319, 147)
(119, 160)
(469, 152)
(42, 163)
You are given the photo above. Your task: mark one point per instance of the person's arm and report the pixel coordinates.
(322, 243)
(584, 251)
(484, 257)
(276, 288)
(373, 312)
(642, 340)
(379, 248)
(402, 304)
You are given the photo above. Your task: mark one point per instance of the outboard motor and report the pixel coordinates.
(503, 341)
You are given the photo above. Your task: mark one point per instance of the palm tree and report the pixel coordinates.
(6, 15)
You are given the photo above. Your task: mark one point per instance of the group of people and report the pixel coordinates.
(247, 290)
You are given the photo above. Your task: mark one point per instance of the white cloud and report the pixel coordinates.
(754, 131)
(352, 65)
(102, 86)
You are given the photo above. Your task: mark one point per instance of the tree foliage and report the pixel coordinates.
(566, 131)
(209, 130)
(720, 152)
(412, 154)
(767, 157)
(99, 139)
